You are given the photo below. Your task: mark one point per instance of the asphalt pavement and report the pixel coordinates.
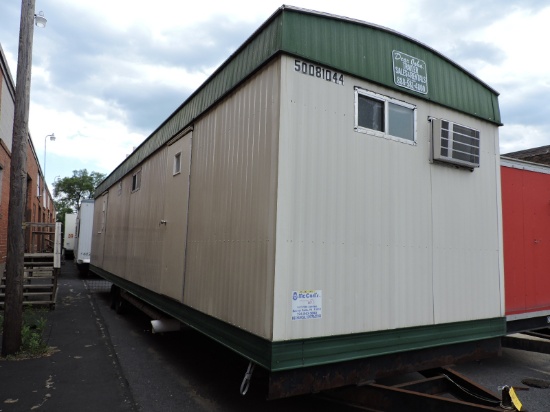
(82, 373)
(105, 361)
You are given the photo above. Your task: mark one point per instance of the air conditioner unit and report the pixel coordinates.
(455, 143)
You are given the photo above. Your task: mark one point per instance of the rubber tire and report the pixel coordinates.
(120, 305)
(114, 296)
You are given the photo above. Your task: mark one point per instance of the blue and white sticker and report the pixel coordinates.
(307, 304)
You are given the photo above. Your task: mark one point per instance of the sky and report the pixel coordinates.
(107, 73)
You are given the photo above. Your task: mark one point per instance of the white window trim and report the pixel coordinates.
(176, 171)
(385, 100)
(137, 175)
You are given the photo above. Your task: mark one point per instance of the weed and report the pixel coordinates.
(32, 341)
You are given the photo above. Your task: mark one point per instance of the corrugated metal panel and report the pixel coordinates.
(174, 219)
(525, 209)
(467, 244)
(131, 242)
(354, 216)
(365, 51)
(354, 47)
(145, 234)
(391, 240)
(230, 253)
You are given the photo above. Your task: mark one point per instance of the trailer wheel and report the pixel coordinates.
(117, 302)
(114, 296)
(120, 305)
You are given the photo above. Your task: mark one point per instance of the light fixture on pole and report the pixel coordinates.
(52, 138)
(40, 20)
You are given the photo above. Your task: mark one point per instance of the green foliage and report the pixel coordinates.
(32, 340)
(62, 209)
(70, 191)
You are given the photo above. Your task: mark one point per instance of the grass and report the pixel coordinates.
(32, 335)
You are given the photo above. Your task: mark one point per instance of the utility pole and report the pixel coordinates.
(13, 310)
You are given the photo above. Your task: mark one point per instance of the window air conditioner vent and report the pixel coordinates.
(454, 143)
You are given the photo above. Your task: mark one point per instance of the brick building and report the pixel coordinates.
(39, 202)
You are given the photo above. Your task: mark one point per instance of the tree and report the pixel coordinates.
(70, 191)
(61, 209)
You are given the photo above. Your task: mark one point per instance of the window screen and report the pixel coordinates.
(400, 121)
(371, 113)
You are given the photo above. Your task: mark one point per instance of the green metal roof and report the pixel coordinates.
(350, 46)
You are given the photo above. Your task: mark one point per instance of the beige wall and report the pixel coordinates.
(389, 239)
(231, 233)
(231, 243)
(286, 196)
(130, 244)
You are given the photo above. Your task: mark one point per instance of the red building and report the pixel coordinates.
(526, 234)
(39, 202)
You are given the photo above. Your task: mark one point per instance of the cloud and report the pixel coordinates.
(474, 54)
(524, 105)
(106, 74)
(142, 73)
(515, 137)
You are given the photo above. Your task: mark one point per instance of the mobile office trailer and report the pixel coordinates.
(328, 198)
(83, 234)
(69, 229)
(526, 223)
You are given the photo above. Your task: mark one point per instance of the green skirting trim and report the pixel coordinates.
(292, 354)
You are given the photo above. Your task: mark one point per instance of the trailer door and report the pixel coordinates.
(178, 167)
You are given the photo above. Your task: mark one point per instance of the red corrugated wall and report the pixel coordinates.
(526, 225)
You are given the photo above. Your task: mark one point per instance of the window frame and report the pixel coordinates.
(136, 181)
(386, 100)
(176, 170)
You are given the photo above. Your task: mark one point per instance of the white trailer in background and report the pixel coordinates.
(83, 235)
(68, 235)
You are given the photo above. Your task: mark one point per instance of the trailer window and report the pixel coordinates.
(177, 163)
(384, 116)
(136, 181)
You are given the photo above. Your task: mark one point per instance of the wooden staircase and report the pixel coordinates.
(39, 280)
(40, 273)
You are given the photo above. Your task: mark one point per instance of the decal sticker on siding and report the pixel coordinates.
(307, 304)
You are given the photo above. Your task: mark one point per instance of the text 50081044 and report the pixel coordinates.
(319, 72)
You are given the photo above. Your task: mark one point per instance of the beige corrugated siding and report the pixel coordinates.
(467, 229)
(231, 237)
(131, 244)
(286, 196)
(355, 219)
